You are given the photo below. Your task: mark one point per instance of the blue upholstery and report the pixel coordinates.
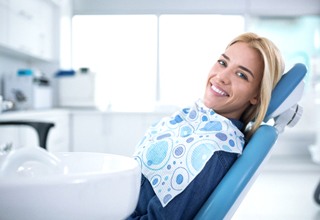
(226, 198)
(235, 181)
(285, 86)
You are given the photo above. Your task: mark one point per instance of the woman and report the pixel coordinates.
(185, 156)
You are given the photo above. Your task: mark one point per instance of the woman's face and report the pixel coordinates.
(234, 80)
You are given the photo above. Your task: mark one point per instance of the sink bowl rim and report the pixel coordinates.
(74, 178)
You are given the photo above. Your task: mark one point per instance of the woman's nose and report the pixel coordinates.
(224, 76)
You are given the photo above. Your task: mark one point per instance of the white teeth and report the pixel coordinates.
(218, 90)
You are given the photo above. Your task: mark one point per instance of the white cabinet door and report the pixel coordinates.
(46, 24)
(11, 135)
(30, 25)
(58, 137)
(3, 22)
(115, 133)
(89, 132)
(23, 33)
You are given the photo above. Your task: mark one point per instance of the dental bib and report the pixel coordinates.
(175, 150)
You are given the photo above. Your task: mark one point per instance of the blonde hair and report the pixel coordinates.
(272, 72)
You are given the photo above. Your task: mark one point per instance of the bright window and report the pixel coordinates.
(122, 51)
(189, 46)
(141, 60)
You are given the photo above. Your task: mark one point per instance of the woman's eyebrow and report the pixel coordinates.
(225, 56)
(247, 70)
(241, 67)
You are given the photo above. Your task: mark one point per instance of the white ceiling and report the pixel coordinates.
(248, 7)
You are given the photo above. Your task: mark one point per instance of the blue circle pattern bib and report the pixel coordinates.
(175, 150)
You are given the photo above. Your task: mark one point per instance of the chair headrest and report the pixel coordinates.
(287, 92)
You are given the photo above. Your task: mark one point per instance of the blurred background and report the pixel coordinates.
(105, 70)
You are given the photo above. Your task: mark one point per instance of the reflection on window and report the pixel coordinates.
(297, 38)
(123, 51)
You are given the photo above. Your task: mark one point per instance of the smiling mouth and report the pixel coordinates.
(219, 91)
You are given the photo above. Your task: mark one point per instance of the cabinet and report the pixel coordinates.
(3, 21)
(110, 132)
(27, 27)
(81, 130)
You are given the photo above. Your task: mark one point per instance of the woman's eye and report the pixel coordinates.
(221, 62)
(243, 76)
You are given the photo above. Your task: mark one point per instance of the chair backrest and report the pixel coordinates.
(226, 198)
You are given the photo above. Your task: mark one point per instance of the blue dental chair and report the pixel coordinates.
(284, 111)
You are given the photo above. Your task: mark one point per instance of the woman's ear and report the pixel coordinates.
(254, 100)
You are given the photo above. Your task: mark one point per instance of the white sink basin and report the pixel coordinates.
(88, 186)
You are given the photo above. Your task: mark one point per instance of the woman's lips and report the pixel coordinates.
(219, 91)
